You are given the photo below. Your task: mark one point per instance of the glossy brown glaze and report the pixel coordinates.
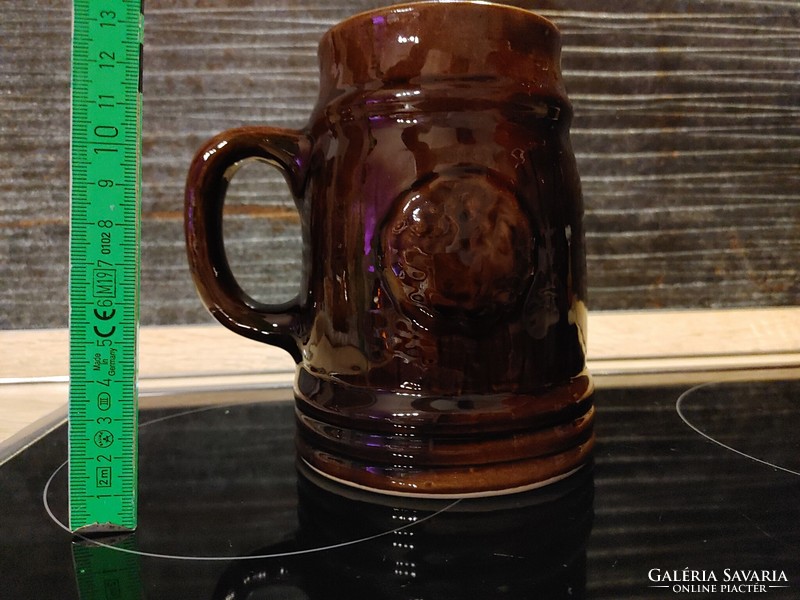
(440, 329)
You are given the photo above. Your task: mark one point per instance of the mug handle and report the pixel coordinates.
(211, 171)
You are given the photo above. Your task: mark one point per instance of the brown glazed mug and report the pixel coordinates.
(439, 333)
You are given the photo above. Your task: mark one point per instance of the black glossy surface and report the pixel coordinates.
(221, 482)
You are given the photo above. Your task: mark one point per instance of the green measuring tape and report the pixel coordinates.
(104, 263)
(108, 572)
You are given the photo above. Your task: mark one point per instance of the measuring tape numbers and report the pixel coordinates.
(104, 264)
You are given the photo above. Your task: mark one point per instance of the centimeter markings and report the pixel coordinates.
(104, 264)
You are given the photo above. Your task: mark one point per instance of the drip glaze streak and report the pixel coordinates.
(440, 335)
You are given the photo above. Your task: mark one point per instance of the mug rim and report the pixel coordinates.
(487, 4)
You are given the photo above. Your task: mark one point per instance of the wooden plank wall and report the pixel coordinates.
(687, 134)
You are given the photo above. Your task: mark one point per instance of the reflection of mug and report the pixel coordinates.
(440, 329)
(530, 545)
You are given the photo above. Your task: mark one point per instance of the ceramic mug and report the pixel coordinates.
(439, 333)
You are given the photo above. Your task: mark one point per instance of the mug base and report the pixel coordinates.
(445, 447)
(489, 493)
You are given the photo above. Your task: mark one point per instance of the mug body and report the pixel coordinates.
(444, 350)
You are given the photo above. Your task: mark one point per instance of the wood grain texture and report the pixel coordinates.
(687, 135)
(624, 338)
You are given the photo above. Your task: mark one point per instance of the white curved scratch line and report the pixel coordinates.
(221, 558)
(717, 442)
